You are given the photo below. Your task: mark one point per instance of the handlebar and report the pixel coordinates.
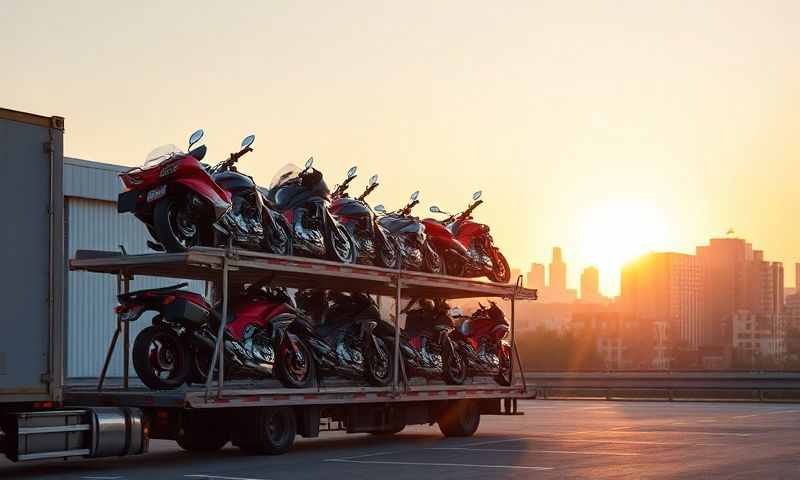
(231, 161)
(367, 191)
(407, 209)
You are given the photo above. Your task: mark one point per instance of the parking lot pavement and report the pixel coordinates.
(554, 439)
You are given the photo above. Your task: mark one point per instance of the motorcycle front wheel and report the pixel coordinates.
(161, 358)
(279, 241)
(176, 228)
(433, 261)
(388, 254)
(501, 273)
(503, 377)
(340, 245)
(294, 367)
(453, 364)
(379, 365)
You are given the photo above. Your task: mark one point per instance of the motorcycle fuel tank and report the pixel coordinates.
(234, 181)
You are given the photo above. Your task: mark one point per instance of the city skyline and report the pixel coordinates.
(791, 270)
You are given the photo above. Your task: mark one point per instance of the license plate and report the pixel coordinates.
(156, 193)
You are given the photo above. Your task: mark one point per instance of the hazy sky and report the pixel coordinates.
(608, 128)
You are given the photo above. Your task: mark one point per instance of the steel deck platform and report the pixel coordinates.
(202, 263)
(246, 395)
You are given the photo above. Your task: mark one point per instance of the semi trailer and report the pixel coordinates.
(42, 417)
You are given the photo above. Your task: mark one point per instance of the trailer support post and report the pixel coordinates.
(396, 355)
(220, 345)
(126, 337)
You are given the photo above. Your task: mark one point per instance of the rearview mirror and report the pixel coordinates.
(195, 137)
(373, 180)
(309, 162)
(248, 140)
(352, 172)
(476, 195)
(415, 196)
(435, 209)
(379, 208)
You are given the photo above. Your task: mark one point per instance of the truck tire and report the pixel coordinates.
(460, 419)
(272, 432)
(206, 440)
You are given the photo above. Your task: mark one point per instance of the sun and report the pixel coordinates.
(617, 231)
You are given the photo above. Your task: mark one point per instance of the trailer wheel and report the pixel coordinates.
(460, 419)
(209, 440)
(271, 433)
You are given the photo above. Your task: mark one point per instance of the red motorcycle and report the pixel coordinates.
(185, 203)
(466, 246)
(480, 340)
(178, 347)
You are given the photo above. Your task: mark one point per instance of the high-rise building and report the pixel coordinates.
(736, 278)
(590, 284)
(558, 272)
(725, 286)
(536, 276)
(797, 278)
(667, 288)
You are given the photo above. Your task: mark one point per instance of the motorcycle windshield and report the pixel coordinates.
(284, 175)
(160, 154)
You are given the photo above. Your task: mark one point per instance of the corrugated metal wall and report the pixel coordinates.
(91, 297)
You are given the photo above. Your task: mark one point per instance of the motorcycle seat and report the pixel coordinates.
(162, 290)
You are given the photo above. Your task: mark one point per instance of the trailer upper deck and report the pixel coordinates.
(203, 263)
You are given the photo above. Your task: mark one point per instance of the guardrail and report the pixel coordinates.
(668, 385)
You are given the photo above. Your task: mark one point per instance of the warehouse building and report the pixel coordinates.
(92, 223)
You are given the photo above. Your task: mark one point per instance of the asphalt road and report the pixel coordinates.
(554, 439)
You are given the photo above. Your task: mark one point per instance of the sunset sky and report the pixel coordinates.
(608, 128)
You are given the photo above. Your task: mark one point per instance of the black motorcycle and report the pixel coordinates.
(336, 338)
(426, 344)
(416, 253)
(303, 197)
(375, 245)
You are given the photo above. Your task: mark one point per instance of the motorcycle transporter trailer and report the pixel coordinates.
(266, 418)
(41, 417)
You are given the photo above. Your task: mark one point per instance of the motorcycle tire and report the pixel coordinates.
(433, 261)
(172, 351)
(501, 272)
(335, 249)
(388, 255)
(453, 364)
(283, 247)
(504, 377)
(174, 236)
(379, 364)
(294, 372)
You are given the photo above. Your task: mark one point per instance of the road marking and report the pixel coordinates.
(565, 452)
(773, 412)
(375, 454)
(117, 477)
(436, 464)
(622, 428)
(221, 477)
(721, 434)
(590, 440)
